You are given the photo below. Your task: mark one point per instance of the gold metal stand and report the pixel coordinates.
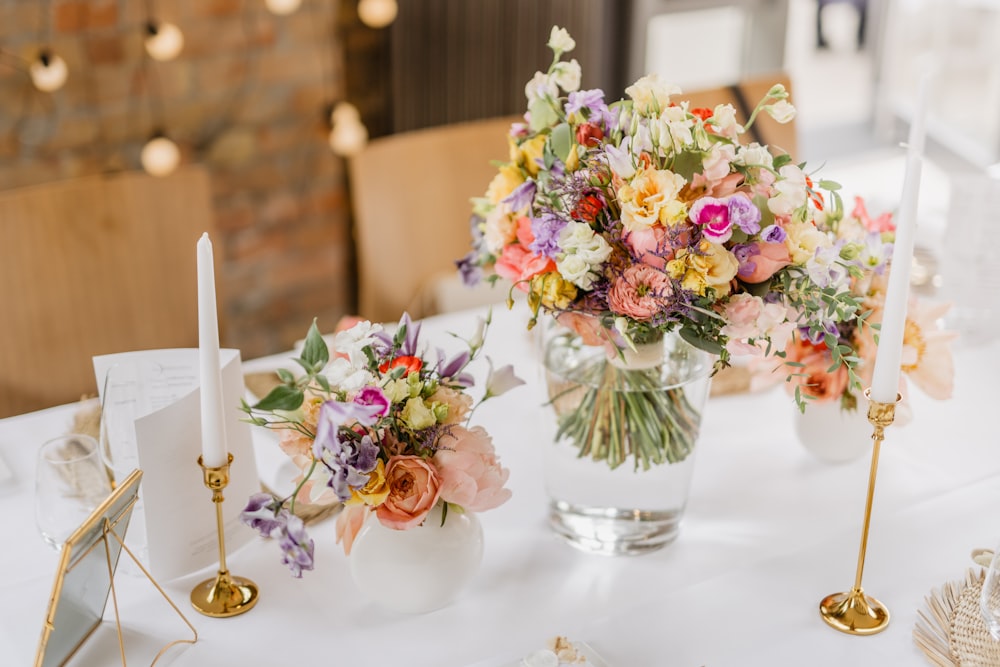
(225, 595)
(854, 612)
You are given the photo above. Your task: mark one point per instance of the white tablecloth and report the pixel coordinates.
(768, 533)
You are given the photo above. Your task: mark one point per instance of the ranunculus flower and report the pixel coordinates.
(589, 134)
(414, 488)
(411, 363)
(471, 474)
(640, 292)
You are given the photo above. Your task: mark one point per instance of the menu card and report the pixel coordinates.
(158, 391)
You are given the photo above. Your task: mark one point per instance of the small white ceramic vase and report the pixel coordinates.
(832, 434)
(421, 569)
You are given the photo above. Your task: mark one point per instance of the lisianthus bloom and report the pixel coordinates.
(650, 197)
(414, 488)
(640, 292)
(470, 472)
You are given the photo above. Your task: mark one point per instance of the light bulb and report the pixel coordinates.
(48, 72)
(349, 135)
(282, 7)
(164, 41)
(377, 13)
(160, 156)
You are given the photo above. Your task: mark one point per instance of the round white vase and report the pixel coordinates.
(832, 434)
(421, 569)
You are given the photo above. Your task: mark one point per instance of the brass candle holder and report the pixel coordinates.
(225, 595)
(854, 612)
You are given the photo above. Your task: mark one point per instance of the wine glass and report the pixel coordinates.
(70, 481)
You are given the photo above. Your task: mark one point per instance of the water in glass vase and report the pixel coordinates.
(619, 473)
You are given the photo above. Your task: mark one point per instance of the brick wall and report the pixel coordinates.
(244, 98)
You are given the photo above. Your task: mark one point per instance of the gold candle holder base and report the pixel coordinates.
(854, 612)
(225, 595)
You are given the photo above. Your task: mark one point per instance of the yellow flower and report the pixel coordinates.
(508, 178)
(375, 491)
(396, 390)
(573, 159)
(802, 240)
(530, 151)
(712, 266)
(650, 197)
(417, 415)
(551, 291)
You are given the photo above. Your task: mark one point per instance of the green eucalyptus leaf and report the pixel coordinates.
(281, 397)
(315, 352)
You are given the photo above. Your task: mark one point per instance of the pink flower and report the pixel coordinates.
(927, 356)
(414, 488)
(349, 523)
(650, 246)
(812, 376)
(763, 261)
(712, 215)
(471, 475)
(519, 265)
(741, 315)
(883, 223)
(639, 292)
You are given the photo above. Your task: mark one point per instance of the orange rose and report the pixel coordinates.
(414, 488)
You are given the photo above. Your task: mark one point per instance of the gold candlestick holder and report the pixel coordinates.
(854, 612)
(225, 595)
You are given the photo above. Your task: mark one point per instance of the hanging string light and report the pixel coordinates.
(349, 135)
(48, 71)
(377, 13)
(282, 7)
(160, 156)
(164, 41)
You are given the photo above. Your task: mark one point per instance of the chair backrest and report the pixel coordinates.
(744, 97)
(411, 199)
(92, 266)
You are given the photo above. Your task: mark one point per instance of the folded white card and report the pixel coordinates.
(160, 389)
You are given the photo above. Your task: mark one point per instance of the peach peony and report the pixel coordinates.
(414, 488)
(471, 474)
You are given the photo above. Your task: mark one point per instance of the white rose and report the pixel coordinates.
(567, 75)
(575, 269)
(560, 41)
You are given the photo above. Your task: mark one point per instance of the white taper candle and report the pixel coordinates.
(885, 377)
(213, 428)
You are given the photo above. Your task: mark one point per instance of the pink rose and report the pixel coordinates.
(349, 523)
(519, 265)
(651, 246)
(766, 260)
(414, 488)
(471, 475)
(640, 292)
(741, 315)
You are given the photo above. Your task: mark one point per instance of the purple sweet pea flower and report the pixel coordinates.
(744, 214)
(297, 546)
(348, 460)
(263, 514)
(591, 100)
(546, 231)
(470, 272)
(521, 197)
(712, 215)
(773, 234)
(743, 253)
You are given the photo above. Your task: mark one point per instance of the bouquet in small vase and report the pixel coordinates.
(381, 428)
(636, 221)
(866, 243)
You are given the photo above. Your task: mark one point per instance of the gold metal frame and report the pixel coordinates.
(129, 488)
(854, 612)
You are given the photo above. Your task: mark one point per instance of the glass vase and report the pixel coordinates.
(620, 469)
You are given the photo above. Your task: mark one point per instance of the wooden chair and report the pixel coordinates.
(744, 97)
(411, 198)
(92, 266)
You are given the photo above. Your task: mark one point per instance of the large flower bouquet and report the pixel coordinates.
(383, 429)
(645, 216)
(866, 243)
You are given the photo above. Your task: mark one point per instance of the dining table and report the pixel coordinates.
(769, 531)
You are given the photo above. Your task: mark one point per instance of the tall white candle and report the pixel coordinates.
(213, 428)
(885, 377)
